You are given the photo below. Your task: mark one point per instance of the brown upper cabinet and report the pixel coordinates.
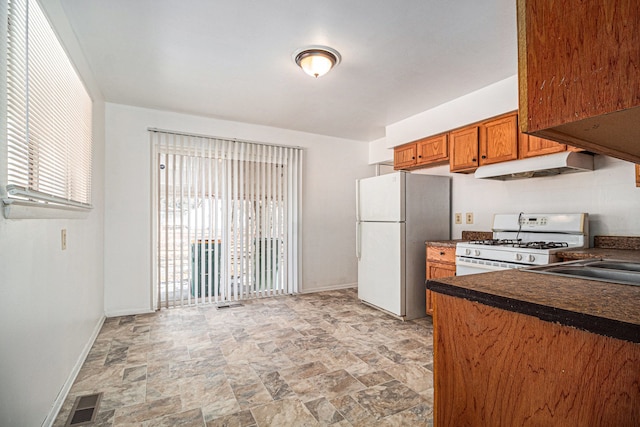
(492, 141)
(637, 175)
(404, 157)
(427, 151)
(531, 146)
(499, 140)
(463, 154)
(579, 79)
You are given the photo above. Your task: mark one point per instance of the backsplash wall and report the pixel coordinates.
(608, 195)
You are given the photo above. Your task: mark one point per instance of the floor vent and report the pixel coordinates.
(85, 410)
(227, 305)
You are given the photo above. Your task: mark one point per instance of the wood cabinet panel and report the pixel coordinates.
(581, 59)
(433, 150)
(424, 152)
(496, 367)
(404, 157)
(579, 79)
(637, 175)
(499, 140)
(440, 262)
(531, 146)
(441, 254)
(463, 154)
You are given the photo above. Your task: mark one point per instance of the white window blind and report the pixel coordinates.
(227, 216)
(49, 136)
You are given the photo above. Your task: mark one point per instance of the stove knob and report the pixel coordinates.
(518, 257)
(531, 258)
(467, 251)
(477, 252)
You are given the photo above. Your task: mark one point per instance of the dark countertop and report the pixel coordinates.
(466, 236)
(604, 308)
(621, 254)
(443, 243)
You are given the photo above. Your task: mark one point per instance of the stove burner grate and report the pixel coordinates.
(520, 244)
(543, 245)
(496, 242)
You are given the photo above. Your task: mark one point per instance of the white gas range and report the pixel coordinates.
(523, 240)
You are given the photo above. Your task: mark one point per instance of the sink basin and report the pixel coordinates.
(616, 265)
(612, 271)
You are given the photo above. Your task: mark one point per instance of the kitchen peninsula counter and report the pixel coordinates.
(600, 307)
(597, 253)
(520, 348)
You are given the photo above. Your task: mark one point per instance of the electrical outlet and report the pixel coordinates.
(63, 238)
(458, 218)
(469, 217)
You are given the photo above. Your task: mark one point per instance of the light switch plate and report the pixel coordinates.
(63, 238)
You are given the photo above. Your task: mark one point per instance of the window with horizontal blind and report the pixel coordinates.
(49, 135)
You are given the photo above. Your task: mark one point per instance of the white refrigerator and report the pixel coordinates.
(395, 214)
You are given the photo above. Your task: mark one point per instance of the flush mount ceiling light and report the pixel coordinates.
(316, 60)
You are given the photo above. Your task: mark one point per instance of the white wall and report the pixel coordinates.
(608, 194)
(52, 300)
(331, 166)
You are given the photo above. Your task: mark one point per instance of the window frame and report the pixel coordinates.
(18, 200)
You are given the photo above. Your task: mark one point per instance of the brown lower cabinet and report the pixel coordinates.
(441, 262)
(637, 175)
(494, 367)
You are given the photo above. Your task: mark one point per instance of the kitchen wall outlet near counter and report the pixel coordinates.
(469, 217)
(458, 218)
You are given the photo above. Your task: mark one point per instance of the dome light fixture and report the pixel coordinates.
(316, 60)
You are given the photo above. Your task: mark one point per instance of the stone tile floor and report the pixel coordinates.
(305, 360)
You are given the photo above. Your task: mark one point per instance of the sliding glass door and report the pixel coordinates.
(227, 218)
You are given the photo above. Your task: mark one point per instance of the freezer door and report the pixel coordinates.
(381, 268)
(381, 198)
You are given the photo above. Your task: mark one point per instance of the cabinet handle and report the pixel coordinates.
(413, 158)
(419, 157)
(473, 160)
(484, 157)
(441, 253)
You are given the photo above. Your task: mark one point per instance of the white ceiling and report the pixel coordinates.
(232, 59)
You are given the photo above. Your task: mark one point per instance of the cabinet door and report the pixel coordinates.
(433, 149)
(463, 156)
(440, 263)
(499, 141)
(578, 73)
(637, 175)
(404, 156)
(437, 270)
(434, 271)
(531, 146)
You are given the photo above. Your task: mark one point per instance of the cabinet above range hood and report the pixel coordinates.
(551, 164)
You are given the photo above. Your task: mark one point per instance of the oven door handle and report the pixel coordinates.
(487, 265)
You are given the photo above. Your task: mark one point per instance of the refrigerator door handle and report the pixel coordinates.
(358, 251)
(357, 200)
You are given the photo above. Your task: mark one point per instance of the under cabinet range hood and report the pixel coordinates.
(551, 164)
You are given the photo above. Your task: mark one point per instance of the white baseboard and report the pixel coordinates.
(329, 288)
(53, 413)
(131, 312)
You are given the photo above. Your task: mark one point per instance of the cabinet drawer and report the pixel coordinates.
(441, 254)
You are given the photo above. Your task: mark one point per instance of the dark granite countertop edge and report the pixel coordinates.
(598, 325)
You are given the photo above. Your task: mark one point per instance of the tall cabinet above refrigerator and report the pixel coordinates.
(395, 214)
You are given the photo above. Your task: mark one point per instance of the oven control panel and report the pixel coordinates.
(533, 221)
(548, 223)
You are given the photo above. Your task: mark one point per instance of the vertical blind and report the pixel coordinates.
(227, 215)
(49, 133)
